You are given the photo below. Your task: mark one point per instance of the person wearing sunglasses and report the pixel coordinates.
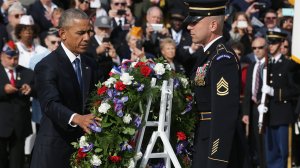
(52, 41)
(216, 79)
(15, 11)
(280, 90)
(118, 12)
(252, 97)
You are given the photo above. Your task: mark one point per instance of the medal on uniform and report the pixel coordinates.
(200, 75)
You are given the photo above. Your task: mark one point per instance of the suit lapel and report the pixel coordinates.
(67, 67)
(86, 76)
(3, 75)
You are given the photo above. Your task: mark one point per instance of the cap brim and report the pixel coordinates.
(190, 19)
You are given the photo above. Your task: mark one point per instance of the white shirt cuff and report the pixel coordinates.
(70, 121)
(117, 60)
(191, 51)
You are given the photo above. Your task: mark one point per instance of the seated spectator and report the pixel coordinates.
(134, 49)
(100, 48)
(239, 49)
(15, 12)
(16, 85)
(25, 32)
(41, 11)
(168, 51)
(242, 30)
(154, 34)
(286, 23)
(286, 48)
(52, 41)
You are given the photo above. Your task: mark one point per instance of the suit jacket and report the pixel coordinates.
(215, 135)
(37, 11)
(104, 63)
(247, 101)
(60, 96)
(15, 113)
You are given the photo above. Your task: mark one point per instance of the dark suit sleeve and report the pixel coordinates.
(225, 93)
(49, 95)
(246, 106)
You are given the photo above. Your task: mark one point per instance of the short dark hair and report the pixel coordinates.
(21, 27)
(69, 15)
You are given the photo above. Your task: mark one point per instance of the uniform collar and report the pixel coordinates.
(210, 43)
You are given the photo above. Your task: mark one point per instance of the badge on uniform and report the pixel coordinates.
(222, 87)
(200, 75)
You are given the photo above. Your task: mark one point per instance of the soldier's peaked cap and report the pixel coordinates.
(276, 35)
(202, 8)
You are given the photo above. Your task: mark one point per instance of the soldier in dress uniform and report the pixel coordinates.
(281, 91)
(216, 77)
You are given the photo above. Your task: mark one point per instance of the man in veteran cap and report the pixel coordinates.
(216, 77)
(15, 118)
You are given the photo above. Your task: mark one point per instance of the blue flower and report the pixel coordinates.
(126, 146)
(137, 121)
(95, 128)
(188, 108)
(176, 83)
(120, 113)
(140, 88)
(87, 148)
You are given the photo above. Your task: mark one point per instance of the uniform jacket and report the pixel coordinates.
(60, 96)
(220, 96)
(15, 113)
(280, 105)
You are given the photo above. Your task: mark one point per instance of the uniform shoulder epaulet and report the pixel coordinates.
(224, 53)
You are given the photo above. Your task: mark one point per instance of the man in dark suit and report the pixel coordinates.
(217, 88)
(100, 48)
(64, 80)
(15, 118)
(252, 99)
(281, 91)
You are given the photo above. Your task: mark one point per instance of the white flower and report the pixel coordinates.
(82, 142)
(133, 64)
(126, 78)
(104, 107)
(184, 82)
(168, 67)
(159, 69)
(95, 161)
(127, 118)
(131, 163)
(110, 82)
(138, 156)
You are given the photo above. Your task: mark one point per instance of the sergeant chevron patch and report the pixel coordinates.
(215, 146)
(222, 87)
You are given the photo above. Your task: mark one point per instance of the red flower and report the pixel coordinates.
(111, 74)
(115, 159)
(145, 70)
(120, 86)
(80, 154)
(181, 136)
(189, 98)
(139, 64)
(102, 90)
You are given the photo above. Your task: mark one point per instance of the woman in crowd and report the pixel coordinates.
(242, 30)
(168, 51)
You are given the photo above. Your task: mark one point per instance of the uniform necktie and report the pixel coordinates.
(257, 81)
(12, 77)
(78, 71)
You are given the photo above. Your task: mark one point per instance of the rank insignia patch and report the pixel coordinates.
(215, 146)
(222, 87)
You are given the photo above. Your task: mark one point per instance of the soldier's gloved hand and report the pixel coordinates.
(268, 90)
(262, 109)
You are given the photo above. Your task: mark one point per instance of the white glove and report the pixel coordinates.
(262, 109)
(267, 90)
